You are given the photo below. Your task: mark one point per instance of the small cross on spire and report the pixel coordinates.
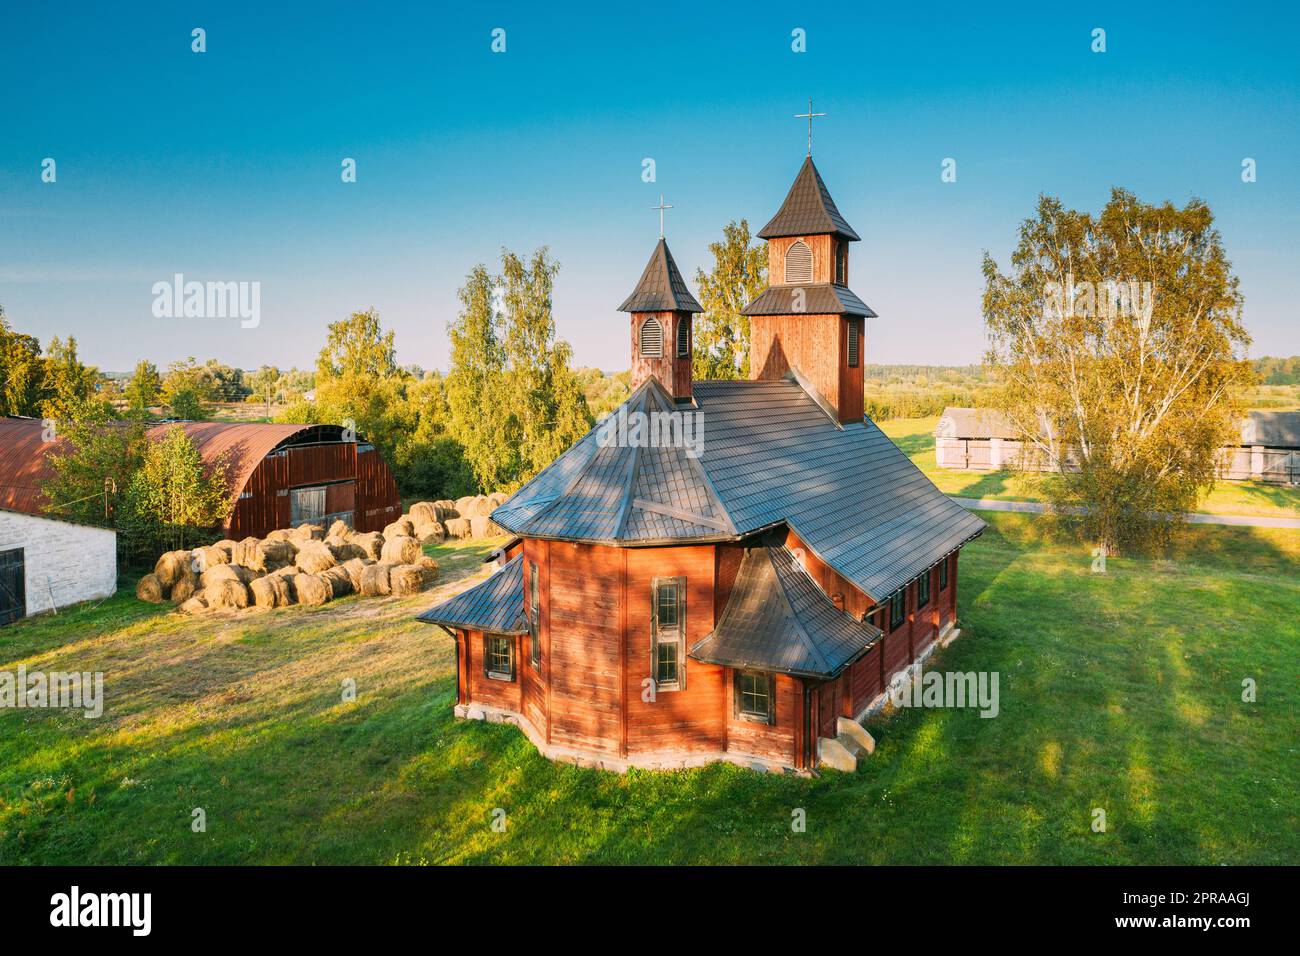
(809, 117)
(661, 207)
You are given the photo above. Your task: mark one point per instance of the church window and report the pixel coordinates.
(652, 338)
(798, 263)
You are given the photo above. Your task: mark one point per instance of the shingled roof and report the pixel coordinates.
(808, 210)
(770, 455)
(778, 619)
(820, 299)
(662, 288)
(496, 604)
(603, 490)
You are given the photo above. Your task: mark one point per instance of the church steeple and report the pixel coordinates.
(662, 310)
(807, 319)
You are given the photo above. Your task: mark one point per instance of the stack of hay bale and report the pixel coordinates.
(303, 565)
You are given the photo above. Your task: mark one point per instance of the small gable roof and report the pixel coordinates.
(818, 299)
(808, 210)
(495, 604)
(778, 619)
(662, 288)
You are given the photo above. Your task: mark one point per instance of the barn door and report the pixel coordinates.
(13, 591)
(828, 706)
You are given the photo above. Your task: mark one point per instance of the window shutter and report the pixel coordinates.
(854, 345)
(683, 338)
(652, 338)
(798, 263)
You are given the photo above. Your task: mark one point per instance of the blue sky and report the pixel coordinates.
(225, 165)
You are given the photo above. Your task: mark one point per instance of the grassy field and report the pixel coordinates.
(1119, 691)
(916, 437)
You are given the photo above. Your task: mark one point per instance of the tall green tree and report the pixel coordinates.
(22, 371)
(475, 383)
(1119, 349)
(174, 497)
(738, 275)
(144, 387)
(68, 381)
(92, 460)
(266, 385)
(545, 408)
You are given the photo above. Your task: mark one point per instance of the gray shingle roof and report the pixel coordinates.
(662, 288)
(616, 493)
(956, 422)
(770, 456)
(778, 619)
(495, 604)
(819, 299)
(1275, 429)
(808, 210)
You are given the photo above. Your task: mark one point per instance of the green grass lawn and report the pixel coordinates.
(916, 437)
(1119, 691)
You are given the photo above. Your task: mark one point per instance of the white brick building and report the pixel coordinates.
(45, 562)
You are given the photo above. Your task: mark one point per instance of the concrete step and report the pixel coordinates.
(832, 754)
(854, 736)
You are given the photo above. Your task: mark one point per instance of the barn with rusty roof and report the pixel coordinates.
(280, 475)
(719, 570)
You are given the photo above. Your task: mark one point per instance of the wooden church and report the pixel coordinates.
(665, 605)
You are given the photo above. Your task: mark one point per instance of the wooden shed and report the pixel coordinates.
(280, 474)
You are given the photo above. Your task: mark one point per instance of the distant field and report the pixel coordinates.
(916, 437)
(1119, 691)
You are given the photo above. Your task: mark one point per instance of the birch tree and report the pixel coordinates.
(1119, 350)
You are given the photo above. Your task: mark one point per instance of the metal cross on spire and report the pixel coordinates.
(809, 117)
(661, 207)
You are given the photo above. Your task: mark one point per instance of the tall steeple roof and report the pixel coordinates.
(808, 210)
(662, 288)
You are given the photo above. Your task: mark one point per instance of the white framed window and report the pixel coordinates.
(668, 633)
(499, 657)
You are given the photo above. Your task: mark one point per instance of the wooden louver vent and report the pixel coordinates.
(854, 345)
(798, 263)
(683, 338)
(652, 339)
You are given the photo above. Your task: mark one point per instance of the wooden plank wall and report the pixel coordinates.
(584, 639)
(691, 719)
(822, 248)
(811, 343)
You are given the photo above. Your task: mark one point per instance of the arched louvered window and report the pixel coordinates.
(652, 338)
(683, 338)
(854, 345)
(798, 263)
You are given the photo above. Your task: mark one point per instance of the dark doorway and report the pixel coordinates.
(13, 590)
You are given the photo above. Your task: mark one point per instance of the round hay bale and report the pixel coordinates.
(308, 532)
(227, 544)
(195, 605)
(268, 555)
(225, 572)
(280, 534)
(428, 567)
(271, 591)
(185, 588)
(339, 580)
(227, 594)
(371, 544)
(498, 498)
(311, 589)
(401, 550)
(148, 588)
(405, 579)
(402, 527)
(244, 550)
(170, 566)
(374, 579)
(209, 557)
(482, 526)
(423, 512)
(339, 529)
(343, 550)
(430, 532)
(314, 557)
(354, 567)
(462, 504)
(478, 505)
(457, 527)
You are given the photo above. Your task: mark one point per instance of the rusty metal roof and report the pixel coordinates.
(24, 466)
